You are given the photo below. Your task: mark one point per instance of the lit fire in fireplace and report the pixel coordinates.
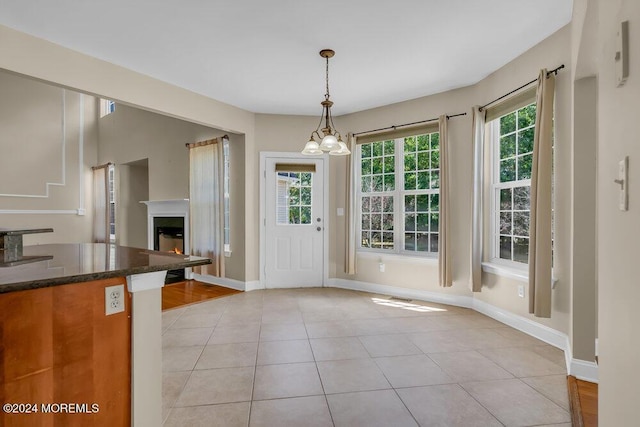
(176, 251)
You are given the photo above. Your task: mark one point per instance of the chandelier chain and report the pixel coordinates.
(327, 78)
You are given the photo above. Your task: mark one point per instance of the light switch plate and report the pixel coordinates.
(622, 53)
(521, 291)
(623, 176)
(340, 212)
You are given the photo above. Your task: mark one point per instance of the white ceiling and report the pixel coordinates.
(262, 55)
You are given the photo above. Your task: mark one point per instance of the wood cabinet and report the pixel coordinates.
(58, 347)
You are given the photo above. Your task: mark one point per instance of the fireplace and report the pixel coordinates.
(168, 231)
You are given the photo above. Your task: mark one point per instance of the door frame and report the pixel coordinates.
(264, 155)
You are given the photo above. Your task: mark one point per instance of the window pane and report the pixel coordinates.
(521, 249)
(389, 182)
(410, 181)
(505, 199)
(524, 166)
(376, 183)
(389, 148)
(387, 222)
(521, 223)
(366, 150)
(505, 247)
(376, 221)
(305, 196)
(366, 222)
(387, 204)
(410, 222)
(294, 215)
(435, 141)
(422, 242)
(422, 222)
(376, 204)
(366, 204)
(366, 184)
(505, 222)
(423, 142)
(409, 203)
(366, 167)
(376, 149)
(389, 164)
(410, 144)
(508, 124)
(521, 198)
(409, 242)
(423, 161)
(434, 242)
(423, 180)
(294, 195)
(387, 241)
(305, 179)
(527, 116)
(435, 203)
(507, 170)
(409, 162)
(435, 179)
(525, 141)
(434, 222)
(377, 165)
(376, 239)
(423, 202)
(435, 159)
(366, 239)
(508, 146)
(305, 215)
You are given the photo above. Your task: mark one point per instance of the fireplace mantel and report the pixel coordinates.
(168, 208)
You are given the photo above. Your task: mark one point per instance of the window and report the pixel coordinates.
(512, 152)
(107, 107)
(293, 197)
(398, 194)
(112, 204)
(227, 209)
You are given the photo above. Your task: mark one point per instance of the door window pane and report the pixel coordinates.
(293, 197)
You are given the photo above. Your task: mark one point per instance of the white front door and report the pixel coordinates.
(294, 222)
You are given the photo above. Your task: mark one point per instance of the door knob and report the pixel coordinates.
(319, 228)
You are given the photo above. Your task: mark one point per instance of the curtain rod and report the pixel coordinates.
(408, 124)
(106, 165)
(207, 142)
(554, 71)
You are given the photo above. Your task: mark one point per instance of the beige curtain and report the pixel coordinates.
(540, 255)
(351, 226)
(206, 204)
(101, 204)
(444, 247)
(478, 124)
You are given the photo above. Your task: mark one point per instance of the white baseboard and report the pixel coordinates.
(581, 369)
(221, 281)
(354, 285)
(544, 333)
(253, 285)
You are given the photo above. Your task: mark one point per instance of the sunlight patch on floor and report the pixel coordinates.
(406, 305)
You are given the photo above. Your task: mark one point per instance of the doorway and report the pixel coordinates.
(294, 221)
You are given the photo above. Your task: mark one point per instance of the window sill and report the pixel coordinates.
(511, 272)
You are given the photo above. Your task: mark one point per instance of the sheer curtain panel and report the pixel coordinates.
(478, 124)
(101, 204)
(206, 204)
(540, 253)
(444, 240)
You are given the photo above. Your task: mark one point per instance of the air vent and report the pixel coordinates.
(400, 299)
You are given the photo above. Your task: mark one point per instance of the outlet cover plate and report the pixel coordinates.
(113, 299)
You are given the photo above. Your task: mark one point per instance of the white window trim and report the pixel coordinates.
(226, 155)
(398, 205)
(495, 261)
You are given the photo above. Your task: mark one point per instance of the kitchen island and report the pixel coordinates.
(80, 335)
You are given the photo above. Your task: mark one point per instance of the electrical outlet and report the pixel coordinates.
(382, 267)
(114, 299)
(521, 291)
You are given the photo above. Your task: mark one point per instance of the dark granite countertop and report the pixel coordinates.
(83, 262)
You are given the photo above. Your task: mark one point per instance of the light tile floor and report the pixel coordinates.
(331, 357)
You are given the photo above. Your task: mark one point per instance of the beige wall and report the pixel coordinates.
(618, 232)
(52, 132)
(132, 186)
(132, 135)
(501, 291)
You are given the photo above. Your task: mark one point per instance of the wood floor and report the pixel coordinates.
(190, 292)
(583, 399)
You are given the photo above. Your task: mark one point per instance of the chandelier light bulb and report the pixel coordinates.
(329, 142)
(311, 148)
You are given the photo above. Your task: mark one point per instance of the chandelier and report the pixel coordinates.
(330, 140)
